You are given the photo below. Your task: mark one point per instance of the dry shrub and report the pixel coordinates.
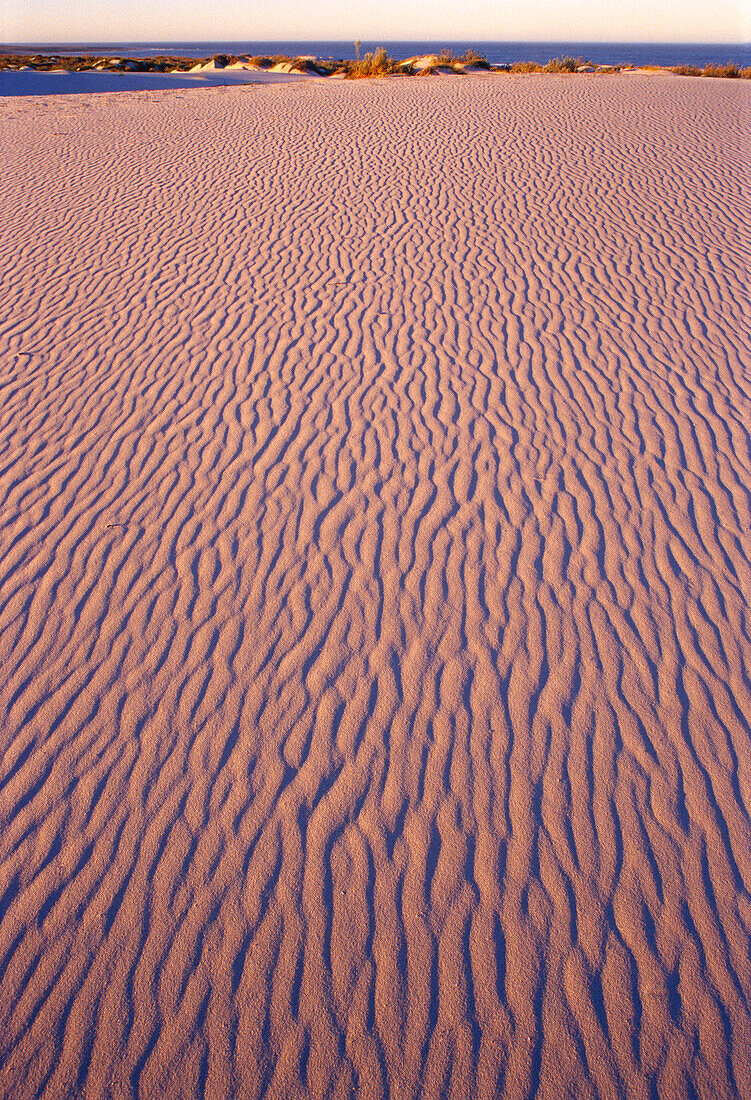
(377, 63)
(524, 67)
(731, 69)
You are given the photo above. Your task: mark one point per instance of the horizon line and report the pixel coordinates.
(385, 41)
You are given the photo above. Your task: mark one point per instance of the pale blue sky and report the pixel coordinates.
(454, 20)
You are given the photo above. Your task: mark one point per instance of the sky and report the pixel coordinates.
(387, 20)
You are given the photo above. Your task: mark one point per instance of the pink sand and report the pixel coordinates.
(374, 580)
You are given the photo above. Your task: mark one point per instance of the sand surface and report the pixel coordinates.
(31, 82)
(374, 576)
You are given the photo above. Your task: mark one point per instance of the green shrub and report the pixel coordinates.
(475, 59)
(265, 62)
(563, 64)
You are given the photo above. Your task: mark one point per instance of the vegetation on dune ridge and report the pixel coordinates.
(377, 63)
(157, 64)
(555, 65)
(731, 69)
(321, 67)
(473, 59)
(77, 63)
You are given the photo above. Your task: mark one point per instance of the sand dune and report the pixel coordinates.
(374, 577)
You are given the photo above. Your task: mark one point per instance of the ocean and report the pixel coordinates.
(603, 53)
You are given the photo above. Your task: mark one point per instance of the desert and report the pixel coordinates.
(375, 558)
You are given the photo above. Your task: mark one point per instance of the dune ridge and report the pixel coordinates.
(374, 576)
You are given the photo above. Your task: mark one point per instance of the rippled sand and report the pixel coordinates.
(374, 578)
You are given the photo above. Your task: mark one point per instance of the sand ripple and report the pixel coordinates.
(374, 576)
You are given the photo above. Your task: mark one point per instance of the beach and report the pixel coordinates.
(375, 559)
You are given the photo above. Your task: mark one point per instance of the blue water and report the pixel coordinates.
(603, 53)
